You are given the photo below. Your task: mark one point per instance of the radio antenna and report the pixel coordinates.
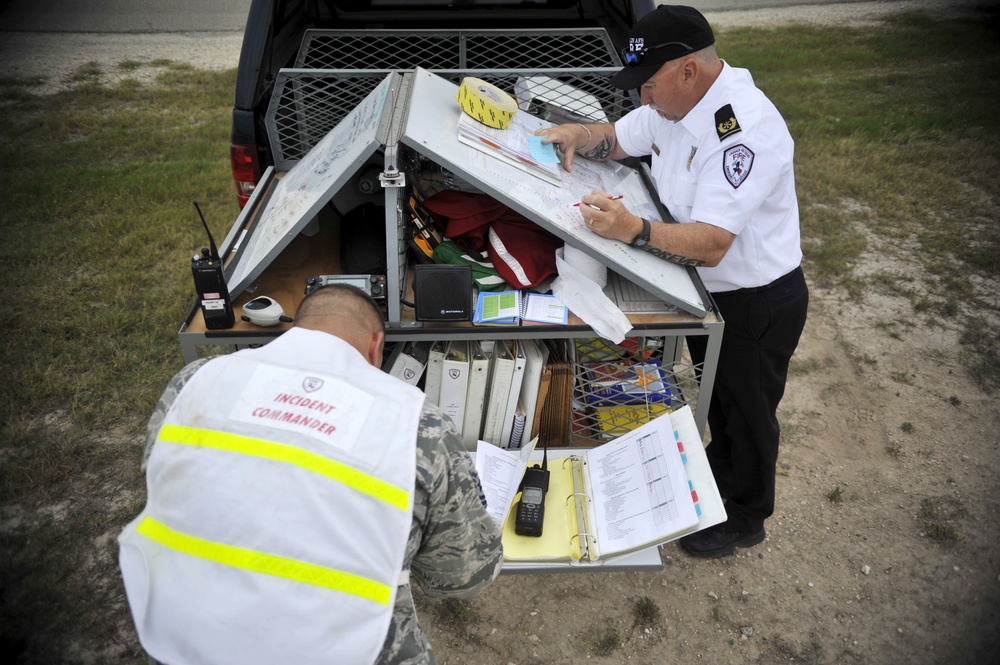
(211, 240)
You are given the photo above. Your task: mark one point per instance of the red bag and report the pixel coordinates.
(522, 252)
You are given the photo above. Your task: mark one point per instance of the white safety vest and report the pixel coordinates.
(280, 498)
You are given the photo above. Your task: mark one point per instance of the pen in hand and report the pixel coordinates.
(610, 198)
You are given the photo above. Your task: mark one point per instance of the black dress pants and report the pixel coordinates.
(762, 329)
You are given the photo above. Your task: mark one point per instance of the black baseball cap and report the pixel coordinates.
(667, 33)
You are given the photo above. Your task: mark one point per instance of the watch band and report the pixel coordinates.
(642, 239)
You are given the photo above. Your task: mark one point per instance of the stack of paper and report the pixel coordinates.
(554, 419)
(510, 145)
(647, 487)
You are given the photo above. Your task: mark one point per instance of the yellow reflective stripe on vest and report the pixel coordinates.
(266, 564)
(279, 452)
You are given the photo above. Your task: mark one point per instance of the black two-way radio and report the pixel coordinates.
(210, 283)
(531, 508)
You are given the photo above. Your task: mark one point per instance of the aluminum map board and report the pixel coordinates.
(431, 129)
(311, 183)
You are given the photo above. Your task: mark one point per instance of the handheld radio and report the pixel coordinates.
(210, 283)
(531, 508)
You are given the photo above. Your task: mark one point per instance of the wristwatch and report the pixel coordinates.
(642, 239)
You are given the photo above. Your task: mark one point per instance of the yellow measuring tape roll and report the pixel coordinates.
(486, 103)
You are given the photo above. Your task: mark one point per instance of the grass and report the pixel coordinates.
(885, 149)
(939, 516)
(95, 238)
(836, 495)
(97, 229)
(606, 641)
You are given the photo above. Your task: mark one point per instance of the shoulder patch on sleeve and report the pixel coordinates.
(726, 123)
(736, 163)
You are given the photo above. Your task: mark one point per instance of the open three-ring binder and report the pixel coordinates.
(645, 488)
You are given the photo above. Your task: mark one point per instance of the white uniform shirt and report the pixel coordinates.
(743, 182)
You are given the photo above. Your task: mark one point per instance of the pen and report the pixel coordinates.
(610, 198)
(490, 143)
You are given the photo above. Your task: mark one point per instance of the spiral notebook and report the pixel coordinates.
(511, 308)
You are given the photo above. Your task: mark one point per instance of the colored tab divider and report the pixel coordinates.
(684, 459)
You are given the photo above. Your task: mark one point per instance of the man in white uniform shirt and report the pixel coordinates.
(721, 156)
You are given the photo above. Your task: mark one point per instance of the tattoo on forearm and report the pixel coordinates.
(602, 150)
(674, 258)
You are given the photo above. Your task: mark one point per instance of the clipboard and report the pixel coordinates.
(431, 128)
(309, 185)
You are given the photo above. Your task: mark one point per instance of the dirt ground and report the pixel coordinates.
(884, 546)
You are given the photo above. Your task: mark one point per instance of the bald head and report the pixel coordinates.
(348, 313)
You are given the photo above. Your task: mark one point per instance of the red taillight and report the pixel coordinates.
(246, 170)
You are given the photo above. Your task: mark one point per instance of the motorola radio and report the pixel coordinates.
(531, 508)
(210, 283)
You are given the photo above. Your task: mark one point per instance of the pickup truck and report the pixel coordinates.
(384, 35)
(376, 80)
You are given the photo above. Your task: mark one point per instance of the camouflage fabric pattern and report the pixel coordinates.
(170, 394)
(454, 546)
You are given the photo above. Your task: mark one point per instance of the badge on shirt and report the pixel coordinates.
(726, 123)
(736, 163)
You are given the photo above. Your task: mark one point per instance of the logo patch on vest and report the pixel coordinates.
(736, 163)
(325, 408)
(726, 123)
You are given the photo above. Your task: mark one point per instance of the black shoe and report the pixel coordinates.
(720, 540)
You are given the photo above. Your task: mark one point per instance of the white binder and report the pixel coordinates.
(475, 401)
(517, 377)
(409, 360)
(536, 355)
(455, 382)
(432, 384)
(501, 374)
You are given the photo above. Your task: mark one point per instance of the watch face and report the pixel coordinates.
(642, 239)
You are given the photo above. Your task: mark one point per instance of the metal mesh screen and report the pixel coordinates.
(562, 76)
(307, 104)
(617, 388)
(460, 49)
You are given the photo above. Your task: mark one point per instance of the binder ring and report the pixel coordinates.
(569, 458)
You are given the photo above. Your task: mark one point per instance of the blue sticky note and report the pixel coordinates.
(542, 153)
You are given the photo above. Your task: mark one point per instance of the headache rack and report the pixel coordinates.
(536, 66)
(561, 76)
